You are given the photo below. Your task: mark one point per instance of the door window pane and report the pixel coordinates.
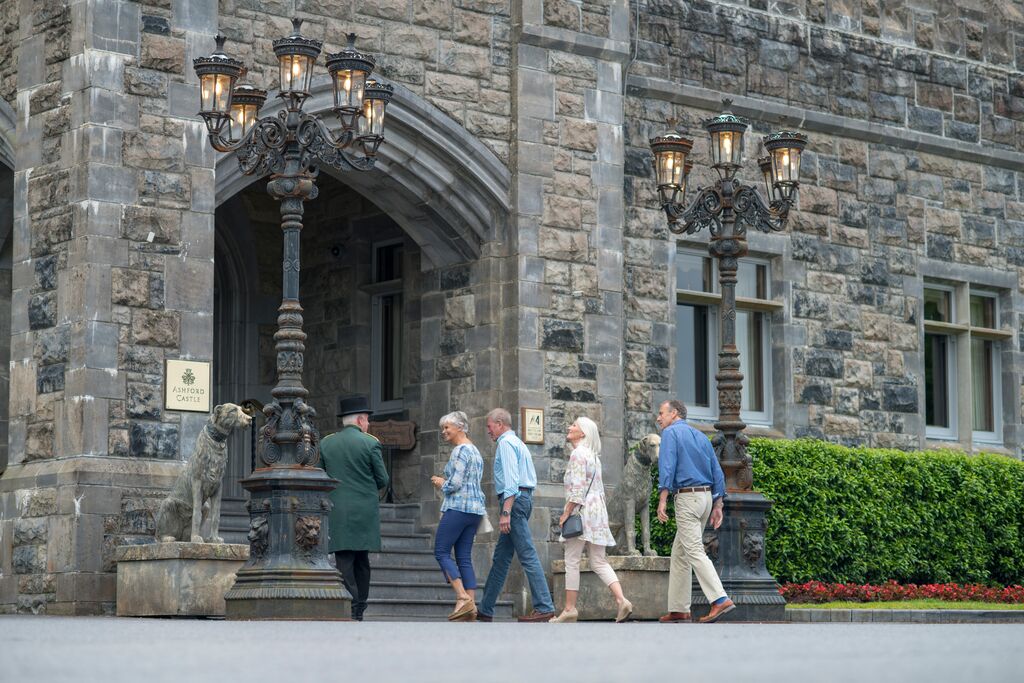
(692, 359)
(693, 272)
(938, 305)
(936, 379)
(391, 380)
(752, 280)
(983, 311)
(982, 383)
(388, 264)
(750, 342)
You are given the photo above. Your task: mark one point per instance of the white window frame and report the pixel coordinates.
(378, 291)
(995, 436)
(713, 301)
(960, 333)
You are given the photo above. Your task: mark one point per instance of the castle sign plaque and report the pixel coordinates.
(187, 384)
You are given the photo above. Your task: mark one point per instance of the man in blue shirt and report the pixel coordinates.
(689, 468)
(514, 481)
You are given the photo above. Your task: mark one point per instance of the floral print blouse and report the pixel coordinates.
(583, 465)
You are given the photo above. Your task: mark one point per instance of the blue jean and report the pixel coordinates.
(519, 542)
(457, 529)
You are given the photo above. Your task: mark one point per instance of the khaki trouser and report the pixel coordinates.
(598, 563)
(688, 556)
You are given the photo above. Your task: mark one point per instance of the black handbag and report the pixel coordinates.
(573, 526)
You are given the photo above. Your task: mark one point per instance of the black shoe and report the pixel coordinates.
(480, 616)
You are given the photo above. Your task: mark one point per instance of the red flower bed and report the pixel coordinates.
(816, 591)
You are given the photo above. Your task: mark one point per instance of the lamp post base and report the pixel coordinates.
(288, 575)
(740, 560)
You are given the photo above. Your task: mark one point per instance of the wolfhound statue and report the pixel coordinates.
(632, 496)
(191, 511)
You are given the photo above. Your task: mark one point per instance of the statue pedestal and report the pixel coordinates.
(644, 582)
(176, 579)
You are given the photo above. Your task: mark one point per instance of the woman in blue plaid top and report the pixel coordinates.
(461, 513)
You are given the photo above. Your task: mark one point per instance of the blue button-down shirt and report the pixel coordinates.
(513, 466)
(686, 458)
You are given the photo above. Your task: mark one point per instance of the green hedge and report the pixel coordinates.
(868, 515)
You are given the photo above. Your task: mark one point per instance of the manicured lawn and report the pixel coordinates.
(906, 604)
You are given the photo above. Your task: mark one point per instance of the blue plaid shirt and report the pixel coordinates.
(461, 485)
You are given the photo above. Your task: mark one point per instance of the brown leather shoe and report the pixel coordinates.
(675, 618)
(537, 617)
(717, 611)
(480, 616)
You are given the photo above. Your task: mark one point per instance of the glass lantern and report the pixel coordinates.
(371, 124)
(217, 76)
(765, 164)
(785, 148)
(245, 108)
(726, 131)
(296, 55)
(349, 69)
(670, 166)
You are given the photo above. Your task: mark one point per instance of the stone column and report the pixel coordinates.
(112, 274)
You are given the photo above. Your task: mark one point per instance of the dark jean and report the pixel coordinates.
(520, 543)
(457, 529)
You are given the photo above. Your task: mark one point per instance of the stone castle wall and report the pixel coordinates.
(915, 115)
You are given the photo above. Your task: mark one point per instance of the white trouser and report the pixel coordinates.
(688, 556)
(598, 563)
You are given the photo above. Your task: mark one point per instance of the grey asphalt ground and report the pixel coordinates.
(111, 650)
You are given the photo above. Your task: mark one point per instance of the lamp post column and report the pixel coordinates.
(288, 575)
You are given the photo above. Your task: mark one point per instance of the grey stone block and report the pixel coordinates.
(604, 340)
(536, 93)
(176, 579)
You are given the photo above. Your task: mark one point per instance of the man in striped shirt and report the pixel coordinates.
(514, 481)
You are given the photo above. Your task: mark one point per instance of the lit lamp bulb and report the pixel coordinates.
(726, 147)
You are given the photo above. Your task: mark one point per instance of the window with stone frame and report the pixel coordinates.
(698, 302)
(387, 369)
(963, 343)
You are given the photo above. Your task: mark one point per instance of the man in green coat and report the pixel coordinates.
(353, 457)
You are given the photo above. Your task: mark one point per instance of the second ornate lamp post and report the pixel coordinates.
(728, 209)
(287, 575)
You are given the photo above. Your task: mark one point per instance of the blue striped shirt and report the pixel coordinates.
(462, 477)
(686, 458)
(513, 466)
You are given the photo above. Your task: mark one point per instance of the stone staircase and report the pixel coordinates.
(406, 583)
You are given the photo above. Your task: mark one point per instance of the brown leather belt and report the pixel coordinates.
(693, 489)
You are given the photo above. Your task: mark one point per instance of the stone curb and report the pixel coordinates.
(914, 616)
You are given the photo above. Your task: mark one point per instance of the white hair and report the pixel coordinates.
(352, 419)
(500, 416)
(457, 419)
(591, 437)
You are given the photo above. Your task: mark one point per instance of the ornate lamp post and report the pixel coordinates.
(288, 575)
(728, 209)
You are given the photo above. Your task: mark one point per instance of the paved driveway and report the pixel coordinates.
(111, 650)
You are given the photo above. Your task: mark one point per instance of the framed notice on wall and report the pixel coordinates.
(187, 385)
(532, 421)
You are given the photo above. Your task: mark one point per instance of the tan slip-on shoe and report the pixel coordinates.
(566, 617)
(625, 609)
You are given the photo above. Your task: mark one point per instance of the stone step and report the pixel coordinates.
(412, 589)
(397, 526)
(387, 572)
(385, 608)
(399, 511)
(413, 559)
(392, 542)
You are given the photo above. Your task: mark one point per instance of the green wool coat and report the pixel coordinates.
(354, 459)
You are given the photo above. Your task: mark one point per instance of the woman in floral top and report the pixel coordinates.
(461, 513)
(584, 491)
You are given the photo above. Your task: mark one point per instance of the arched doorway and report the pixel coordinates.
(376, 247)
